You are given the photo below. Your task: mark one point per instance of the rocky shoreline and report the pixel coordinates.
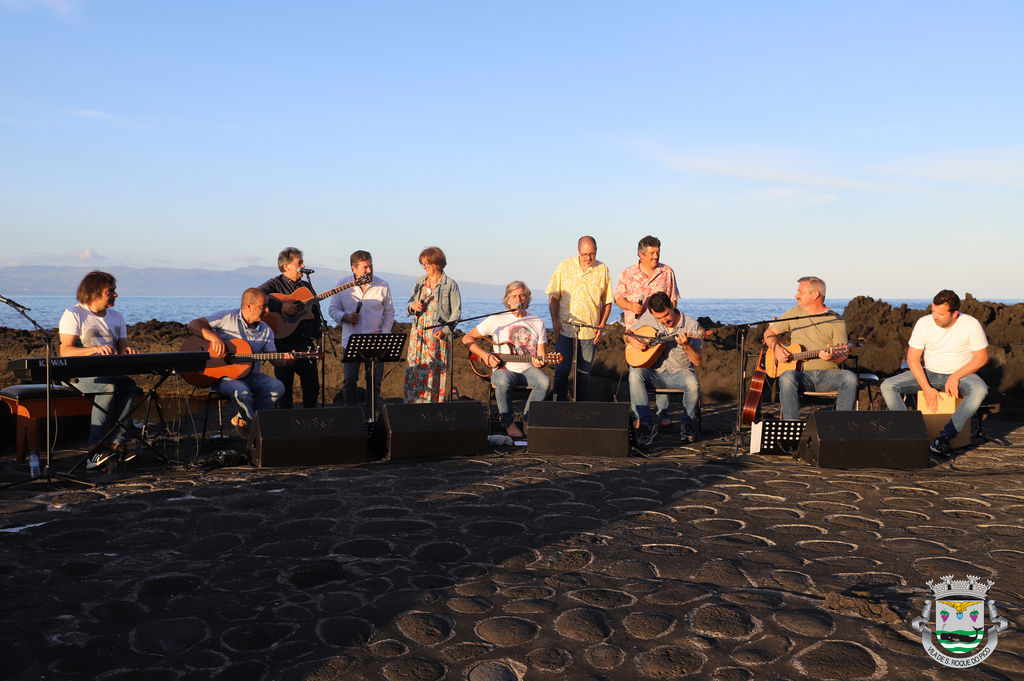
(881, 330)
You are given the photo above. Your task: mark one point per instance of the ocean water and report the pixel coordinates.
(46, 310)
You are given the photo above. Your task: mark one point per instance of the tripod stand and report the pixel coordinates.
(48, 474)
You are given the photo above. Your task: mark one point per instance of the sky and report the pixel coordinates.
(878, 145)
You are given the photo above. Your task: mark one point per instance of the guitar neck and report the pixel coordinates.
(512, 358)
(811, 354)
(268, 356)
(339, 289)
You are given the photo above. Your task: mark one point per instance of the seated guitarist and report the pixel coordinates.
(255, 391)
(517, 332)
(303, 338)
(674, 367)
(819, 374)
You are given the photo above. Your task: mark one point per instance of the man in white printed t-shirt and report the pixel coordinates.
(514, 332)
(954, 347)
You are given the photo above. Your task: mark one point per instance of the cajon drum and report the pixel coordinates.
(934, 423)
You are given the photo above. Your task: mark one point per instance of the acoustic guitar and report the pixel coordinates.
(774, 368)
(654, 345)
(283, 325)
(481, 369)
(237, 363)
(757, 381)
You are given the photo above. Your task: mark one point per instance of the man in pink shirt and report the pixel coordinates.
(637, 282)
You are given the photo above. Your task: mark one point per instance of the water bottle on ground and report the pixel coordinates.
(33, 464)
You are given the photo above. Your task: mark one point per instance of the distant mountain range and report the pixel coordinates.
(46, 280)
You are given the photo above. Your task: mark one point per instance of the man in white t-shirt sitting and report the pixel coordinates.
(954, 347)
(94, 327)
(514, 332)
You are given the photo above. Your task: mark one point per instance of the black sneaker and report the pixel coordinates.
(687, 434)
(940, 446)
(98, 459)
(646, 433)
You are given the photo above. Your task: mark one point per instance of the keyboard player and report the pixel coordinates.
(94, 327)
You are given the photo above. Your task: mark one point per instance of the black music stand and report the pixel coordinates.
(372, 348)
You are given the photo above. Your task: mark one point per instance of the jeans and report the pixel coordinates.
(350, 377)
(503, 379)
(112, 402)
(564, 346)
(791, 383)
(642, 379)
(307, 370)
(251, 394)
(972, 390)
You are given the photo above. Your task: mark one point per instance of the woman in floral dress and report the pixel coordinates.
(435, 299)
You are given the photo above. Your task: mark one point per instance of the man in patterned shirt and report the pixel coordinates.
(580, 291)
(637, 282)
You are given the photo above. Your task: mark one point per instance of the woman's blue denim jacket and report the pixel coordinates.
(449, 300)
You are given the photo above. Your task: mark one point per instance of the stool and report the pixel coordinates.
(514, 393)
(934, 423)
(28, 404)
(695, 418)
(213, 396)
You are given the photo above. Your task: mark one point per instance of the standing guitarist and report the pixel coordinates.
(255, 391)
(303, 338)
(674, 368)
(518, 332)
(821, 373)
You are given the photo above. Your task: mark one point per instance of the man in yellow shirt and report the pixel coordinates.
(580, 292)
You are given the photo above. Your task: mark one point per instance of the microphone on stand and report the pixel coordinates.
(14, 304)
(306, 270)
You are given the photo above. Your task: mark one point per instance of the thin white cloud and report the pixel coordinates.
(793, 197)
(752, 163)
(99, 115)
(86, 254)
(62, 8)
(91, 113)
(1002, 168)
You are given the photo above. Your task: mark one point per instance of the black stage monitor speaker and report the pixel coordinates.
(865, 439)
(308, 437)
(416, 431)
(579, 428)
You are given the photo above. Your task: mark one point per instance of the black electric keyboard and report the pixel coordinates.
(62, 368)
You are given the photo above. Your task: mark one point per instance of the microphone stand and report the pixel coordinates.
(48, 473)
(741, 369)
(325, 338)
(451, 326)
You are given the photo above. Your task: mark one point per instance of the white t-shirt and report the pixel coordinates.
(92, 329)
(515, 335)
(946, 350)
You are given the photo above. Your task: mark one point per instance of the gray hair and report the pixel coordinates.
(512, 286)
(815, 284)
(285, 257)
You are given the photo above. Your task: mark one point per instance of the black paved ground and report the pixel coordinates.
(507, 567)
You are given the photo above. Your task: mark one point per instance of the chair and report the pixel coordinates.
(864, 380)
(696, 418)
(213, 396)
(515, 393)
